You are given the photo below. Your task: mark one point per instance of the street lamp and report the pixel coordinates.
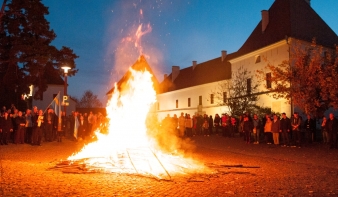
(65, 71)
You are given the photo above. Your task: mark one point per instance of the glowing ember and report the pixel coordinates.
(127, 148)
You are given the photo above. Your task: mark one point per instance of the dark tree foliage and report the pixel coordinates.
(26, 53)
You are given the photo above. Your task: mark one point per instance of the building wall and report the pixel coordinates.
(274, 54)
(166, 102)
(48, 98)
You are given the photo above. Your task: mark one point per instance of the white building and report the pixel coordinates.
(188, 90)
(55, 85)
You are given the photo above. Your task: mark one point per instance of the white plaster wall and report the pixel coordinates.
(274, 54)
(48, 98)
(167, 101)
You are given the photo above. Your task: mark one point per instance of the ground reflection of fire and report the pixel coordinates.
(126, 148)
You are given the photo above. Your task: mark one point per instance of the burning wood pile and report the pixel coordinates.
(127, 148)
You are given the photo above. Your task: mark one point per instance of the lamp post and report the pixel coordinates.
(65, 71)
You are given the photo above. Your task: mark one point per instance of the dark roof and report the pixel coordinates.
(290, 18)
(287, 18)
(140, 65)
(52, 76)
(206, 72)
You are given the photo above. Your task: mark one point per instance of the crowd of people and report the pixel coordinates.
(36, 126)
(270, 129)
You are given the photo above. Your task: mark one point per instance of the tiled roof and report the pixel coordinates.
(206, 72)
(140, 65)
(287, 18)
(290, 18)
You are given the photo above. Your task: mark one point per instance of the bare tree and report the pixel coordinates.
(239, 94)
(89, 100)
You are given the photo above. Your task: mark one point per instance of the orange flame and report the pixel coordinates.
(126, 147)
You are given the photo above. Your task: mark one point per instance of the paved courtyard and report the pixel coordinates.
(240, 170)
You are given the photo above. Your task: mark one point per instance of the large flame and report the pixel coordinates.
(126, 147)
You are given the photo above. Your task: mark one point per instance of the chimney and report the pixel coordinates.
(224, 55)
(194, 64)
(265, 19)
(175, 72)
(308, 1)
(165, 76)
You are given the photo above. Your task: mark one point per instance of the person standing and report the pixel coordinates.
(188, 125)
(6, 128)
(332, 128)
(224, 123)
(29, 126)
(20, 121)
(217, 120)
(285, 127)
(310, 129)
(256, 129)
(211, 125)
(267, 129)
(233, 126)
(38, 129)
(181, 125)
(247, 128)
(295, 126)
(275, 129)
(49, 117)
(83, 126)
(324, 131)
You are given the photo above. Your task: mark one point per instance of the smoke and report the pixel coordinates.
(130, 35)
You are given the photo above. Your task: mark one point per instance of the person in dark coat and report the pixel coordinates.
(83, 128)
(6, 128)
(38, 129)
(310, 128)
(285, 128)
(20, 122)
(247, 128)
(49, 125)
(211, 124)
(332, 128)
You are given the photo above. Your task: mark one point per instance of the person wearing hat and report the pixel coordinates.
(6, 127)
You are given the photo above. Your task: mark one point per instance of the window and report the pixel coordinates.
(158, 106)
(211, 98)
(257, 59)
(189, 102)
(225, 97)
(200, 100)
(268, 80)
(176, 103)
(248, 86)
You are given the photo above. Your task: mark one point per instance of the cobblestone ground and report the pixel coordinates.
(268, 170)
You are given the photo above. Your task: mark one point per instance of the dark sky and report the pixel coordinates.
(102, 33)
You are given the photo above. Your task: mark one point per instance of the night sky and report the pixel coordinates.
(102, 33)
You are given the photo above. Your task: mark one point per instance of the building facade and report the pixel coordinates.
(189, 90)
